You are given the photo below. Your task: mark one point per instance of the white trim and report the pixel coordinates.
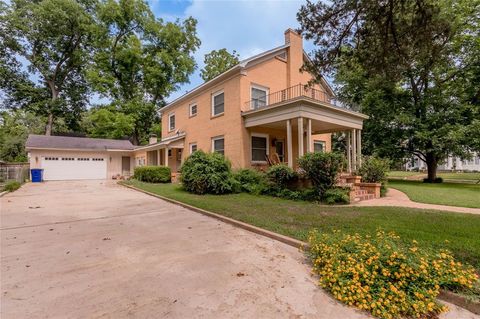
(266, 136)
(190, 114)
(217, 93)
(261, 88)
(216, 138)
(190, 147)
(170, 129)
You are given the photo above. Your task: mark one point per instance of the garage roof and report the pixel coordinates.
(80, 143)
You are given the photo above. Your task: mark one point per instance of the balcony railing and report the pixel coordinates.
(294, 92)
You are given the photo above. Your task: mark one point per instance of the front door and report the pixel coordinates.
(280, 150)
(126, 165)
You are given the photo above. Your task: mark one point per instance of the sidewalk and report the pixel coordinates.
(399, 199)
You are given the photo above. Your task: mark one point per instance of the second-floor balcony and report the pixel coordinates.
(297, 92)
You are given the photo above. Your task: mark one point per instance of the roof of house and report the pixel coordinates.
(80, 143)
(242, 64)
(239, 66)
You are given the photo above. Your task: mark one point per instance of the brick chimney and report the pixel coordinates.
(153, 139)
(294, 56)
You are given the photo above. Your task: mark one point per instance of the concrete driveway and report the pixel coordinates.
(93, 249)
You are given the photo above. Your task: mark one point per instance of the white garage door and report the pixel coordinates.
(57, 168)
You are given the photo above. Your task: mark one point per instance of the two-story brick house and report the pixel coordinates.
(256, 109)
(258, 112)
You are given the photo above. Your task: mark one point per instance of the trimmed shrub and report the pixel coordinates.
(251, 181)
(374, 170)
(384, 276)
(436, 180)
(12, 186)
(336, 196)
(322, 169)
(153, 174)
(280, 175)
(208, 173)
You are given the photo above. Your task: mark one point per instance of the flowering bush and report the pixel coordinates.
(381, 275)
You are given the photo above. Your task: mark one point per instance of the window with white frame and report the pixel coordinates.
(318, 146)
(171, 122)
(259, 147)
(218, 103)
(193, 147)
(218, 145)
(259, 96)
(193, 109)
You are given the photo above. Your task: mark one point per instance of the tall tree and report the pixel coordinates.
(51, 39)
(410, 64)
(217, 62)
(140, 60)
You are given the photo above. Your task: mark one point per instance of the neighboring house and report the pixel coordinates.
(450, 164)
(258, 112)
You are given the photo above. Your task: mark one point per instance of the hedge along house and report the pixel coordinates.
(257, 113)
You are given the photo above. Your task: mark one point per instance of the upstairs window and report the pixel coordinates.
(218, 103)
(259, 97)
(218, 145)
(259, 148)
(318, 146)
(171, 122)
(193, 109)
(193, 147)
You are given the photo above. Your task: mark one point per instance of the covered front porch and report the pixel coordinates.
(299, 125)
(167, 152)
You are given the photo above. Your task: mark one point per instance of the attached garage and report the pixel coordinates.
(70, 168)
(79, 158)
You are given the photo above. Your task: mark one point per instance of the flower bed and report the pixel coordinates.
(383, 276)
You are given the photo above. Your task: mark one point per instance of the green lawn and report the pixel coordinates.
(454, 177)
(453, 194)
(297, 218)
(460, 176)
(402, 174)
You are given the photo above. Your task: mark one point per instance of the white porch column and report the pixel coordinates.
(309, 135)
(158, 158)
(166, 156)
(359, 147)
(300, 136)
(354, 149)
(289, 144)
(349, 151)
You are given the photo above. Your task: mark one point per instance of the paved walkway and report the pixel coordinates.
(397, 198)
(95, 249)
(98, 250)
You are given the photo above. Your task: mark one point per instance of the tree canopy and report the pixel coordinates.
(139, 60)
(413, 67)
(52, 39)
(217, 62)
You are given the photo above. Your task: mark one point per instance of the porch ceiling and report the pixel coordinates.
(326, 118)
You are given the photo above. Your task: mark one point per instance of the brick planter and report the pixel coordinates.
(371, 188)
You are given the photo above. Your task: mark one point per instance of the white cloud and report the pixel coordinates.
(249, 27)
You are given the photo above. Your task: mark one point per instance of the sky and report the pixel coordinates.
(246, 26)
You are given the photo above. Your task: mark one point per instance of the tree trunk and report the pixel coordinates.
(431, 167)
(48, 127)
(54, 92)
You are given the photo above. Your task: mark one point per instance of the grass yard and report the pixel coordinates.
(402, 174)
(460, 176)
(453, 194)
(466, 177)
(434, 229)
